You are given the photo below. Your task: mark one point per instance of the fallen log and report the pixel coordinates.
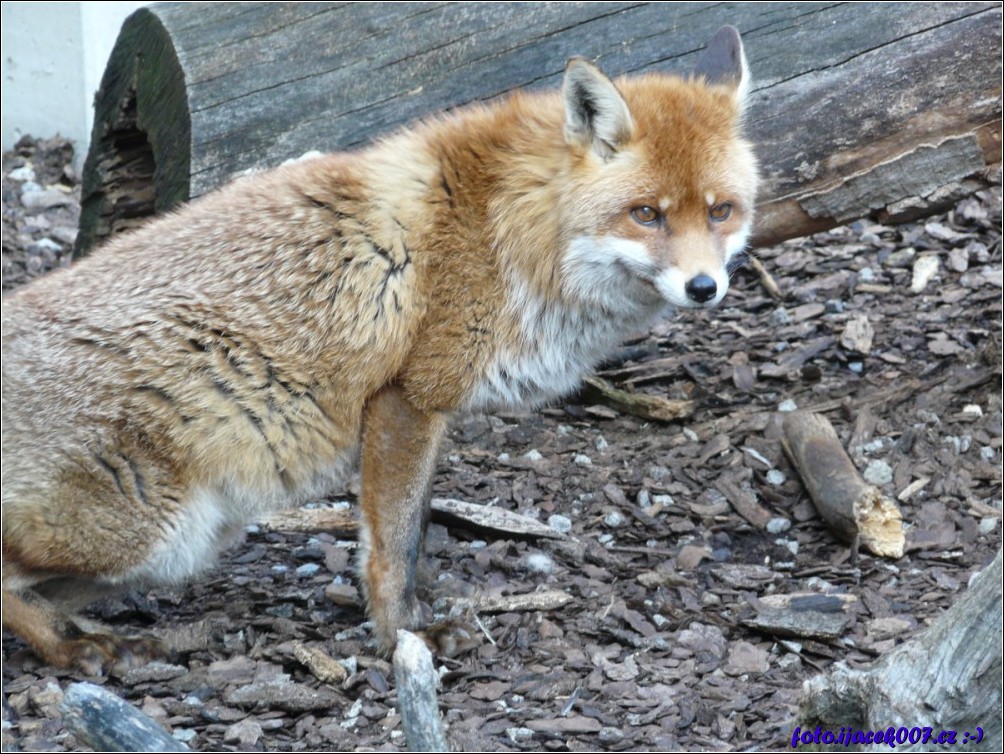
(852, 508)
(105, 722)
(889, 110)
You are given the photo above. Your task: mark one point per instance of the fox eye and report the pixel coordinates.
(720, 212)
(645, 215)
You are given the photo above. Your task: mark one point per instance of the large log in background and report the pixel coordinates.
(884, 109)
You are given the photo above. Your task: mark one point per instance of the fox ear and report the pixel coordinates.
(724, 62)
(596, 115)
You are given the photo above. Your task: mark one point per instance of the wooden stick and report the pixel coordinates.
(416, 694)
(104, 722)
(637, 404)
(343, 521)
(766, 279)
(851, 507)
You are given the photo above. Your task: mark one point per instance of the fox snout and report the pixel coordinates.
(701, 289)
(692, 290)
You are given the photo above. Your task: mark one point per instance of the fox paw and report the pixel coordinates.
(451, 638)
(97, 654)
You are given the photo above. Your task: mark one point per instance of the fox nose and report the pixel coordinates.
(701, 288)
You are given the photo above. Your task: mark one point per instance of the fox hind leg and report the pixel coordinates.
(58, 640)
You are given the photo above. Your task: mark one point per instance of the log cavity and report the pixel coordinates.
(126, 161)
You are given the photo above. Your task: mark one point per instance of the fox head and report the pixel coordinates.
(659, 202)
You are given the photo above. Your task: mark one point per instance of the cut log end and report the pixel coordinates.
(879, 523)
(138, 163)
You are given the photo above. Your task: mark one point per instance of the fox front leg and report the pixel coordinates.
(399, 450)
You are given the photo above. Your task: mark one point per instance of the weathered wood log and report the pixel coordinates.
(104, 722)
(850, 506)
(883, 109)
(946, 679)
(344, 521)
(416, 694)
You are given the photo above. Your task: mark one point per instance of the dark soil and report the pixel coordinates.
(654, 651)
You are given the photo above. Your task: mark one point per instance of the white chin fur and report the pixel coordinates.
(612, 272)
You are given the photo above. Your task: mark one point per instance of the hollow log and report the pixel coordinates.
(890, 110)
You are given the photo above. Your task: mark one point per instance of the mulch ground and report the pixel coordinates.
(675, 531)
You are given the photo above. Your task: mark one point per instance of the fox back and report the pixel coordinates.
(241, 353)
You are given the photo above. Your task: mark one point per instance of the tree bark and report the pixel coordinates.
(889, 110)
(103, 721)
(946, 679)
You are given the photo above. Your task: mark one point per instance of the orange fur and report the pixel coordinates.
(235, 355)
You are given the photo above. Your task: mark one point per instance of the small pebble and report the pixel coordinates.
(644, 499)
(608, 736)
(871, 446)
(601, 444)
(780, 317)
(856, 366)
(559, 523)
(878, 472)
(972, 410)
(185, 735)
(958, 260)
(614, 519)
(776, 477)
(835, 306)
(901, 258)
(658, 473)
(925, 268)
(788, 405)
(987, 526)
(533, 456)
(503, 458)
(539, 562)
(23, 173)
(866, 275)
(308, 569)
(987, 453)
(778, 525)
(45, 244)
(582, 460)
(520, 736)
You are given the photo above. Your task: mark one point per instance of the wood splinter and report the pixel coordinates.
(850, 506)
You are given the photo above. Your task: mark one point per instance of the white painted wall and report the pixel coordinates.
(54, 55)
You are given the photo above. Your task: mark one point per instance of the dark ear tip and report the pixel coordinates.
(727, 32)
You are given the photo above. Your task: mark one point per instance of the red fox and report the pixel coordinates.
(240, 353)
